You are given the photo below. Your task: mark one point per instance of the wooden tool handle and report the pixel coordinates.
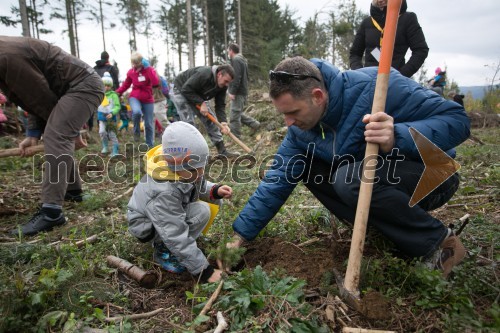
(29, 151)
(235, 139)
(351, 281)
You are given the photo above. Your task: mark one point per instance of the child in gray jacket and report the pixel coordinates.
(166, 206)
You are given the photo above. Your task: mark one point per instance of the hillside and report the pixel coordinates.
(477, 91)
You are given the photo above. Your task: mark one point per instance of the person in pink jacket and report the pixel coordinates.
(143, 78)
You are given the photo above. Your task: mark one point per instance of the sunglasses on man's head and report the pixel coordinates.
(285, 77)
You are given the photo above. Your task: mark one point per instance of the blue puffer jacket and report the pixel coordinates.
(341, 132)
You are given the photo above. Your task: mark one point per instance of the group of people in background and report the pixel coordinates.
(155, 106)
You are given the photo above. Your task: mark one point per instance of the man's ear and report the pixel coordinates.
(318, 96)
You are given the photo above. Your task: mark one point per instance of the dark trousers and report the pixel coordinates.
(412, 229)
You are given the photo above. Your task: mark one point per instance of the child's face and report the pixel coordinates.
(108, 88)
(191, 175)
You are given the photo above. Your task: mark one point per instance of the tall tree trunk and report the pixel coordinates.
(240, 37)
(210, 54)
(24, 18)
(179, 43)
(75, 29)
(102, 25)
(190, 33)
(36, 30)
(225, 27)
(69, 20)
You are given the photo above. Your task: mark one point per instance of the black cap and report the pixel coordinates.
(104, 55)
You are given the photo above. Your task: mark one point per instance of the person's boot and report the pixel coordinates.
(163, 257)
(254, 128)
(104, 150)
(116, 147)
(221, 149)
(44, 220)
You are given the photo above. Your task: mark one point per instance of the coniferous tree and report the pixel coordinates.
(132, 13)
(344, 22)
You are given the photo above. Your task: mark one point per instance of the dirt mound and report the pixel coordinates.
(309, 263)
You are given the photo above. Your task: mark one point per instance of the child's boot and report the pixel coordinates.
(104, 150)
(165, 259)
(115, 149)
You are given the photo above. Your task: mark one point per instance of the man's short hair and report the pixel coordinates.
(226, 69)
(300, 86)
(234, 47)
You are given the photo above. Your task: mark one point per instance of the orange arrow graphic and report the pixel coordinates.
(438, 167)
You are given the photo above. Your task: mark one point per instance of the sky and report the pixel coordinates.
(462, 35)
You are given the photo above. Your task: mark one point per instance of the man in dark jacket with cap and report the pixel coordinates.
(60, 92)
(409, 34)
(102, 66)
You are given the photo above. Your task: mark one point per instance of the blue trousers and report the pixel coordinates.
(139, 110)
(412, 229)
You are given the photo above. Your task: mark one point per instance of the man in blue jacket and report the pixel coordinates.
(329, 122)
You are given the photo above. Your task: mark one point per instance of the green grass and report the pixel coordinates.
(45, 287)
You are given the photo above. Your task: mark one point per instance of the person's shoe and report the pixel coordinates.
(451, 252)
(166, 260)
(39, 222)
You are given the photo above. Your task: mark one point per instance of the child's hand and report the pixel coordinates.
(216, 276)
(109, 116)
(225, 191)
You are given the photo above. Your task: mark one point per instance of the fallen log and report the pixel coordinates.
(144, 279)
(30, 151)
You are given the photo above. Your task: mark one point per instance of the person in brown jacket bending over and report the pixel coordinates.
(60, 92)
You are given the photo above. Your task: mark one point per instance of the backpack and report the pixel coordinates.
(441, 81)
(164, 86)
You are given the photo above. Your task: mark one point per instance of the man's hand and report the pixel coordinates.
(216, 276)
(80, 142)
(231, 97)
(380, 130)
(27, 142)
(225, 128)
(225, 191)
(235, 243)
(204, 109)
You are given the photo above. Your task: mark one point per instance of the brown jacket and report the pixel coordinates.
(35, 75)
